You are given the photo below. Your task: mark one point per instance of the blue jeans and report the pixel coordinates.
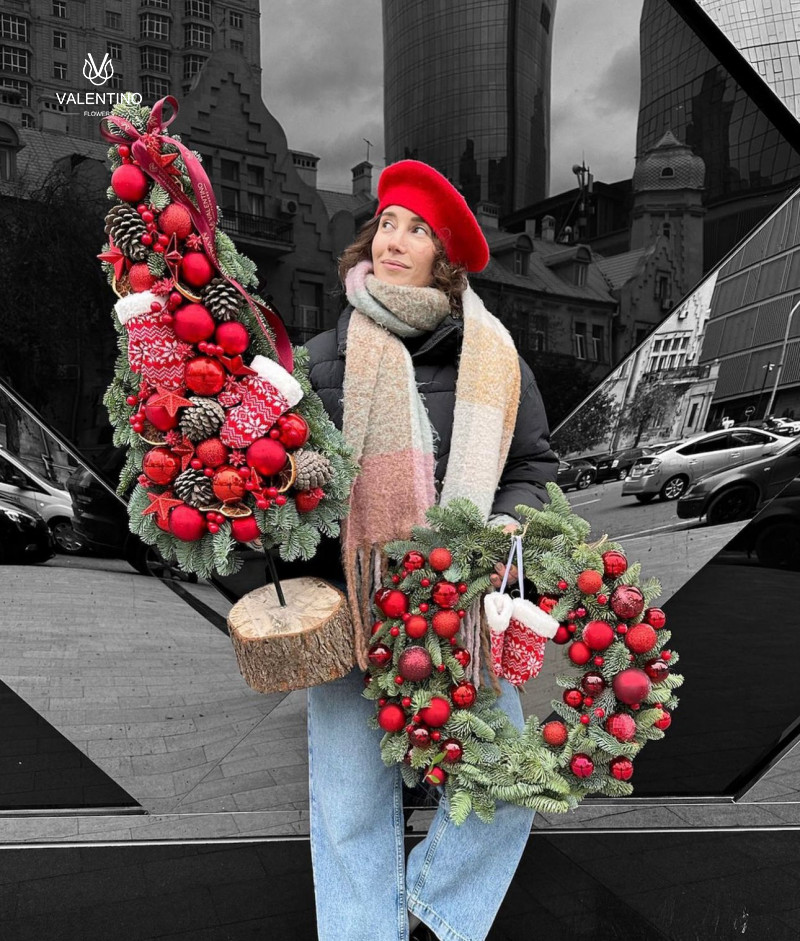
(455, 879)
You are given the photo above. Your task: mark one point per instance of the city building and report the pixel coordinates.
(467, 89)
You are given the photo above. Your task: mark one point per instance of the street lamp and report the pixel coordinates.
(782, 360)
(767, 367)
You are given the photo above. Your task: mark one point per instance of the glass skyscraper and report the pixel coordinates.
(467, 89)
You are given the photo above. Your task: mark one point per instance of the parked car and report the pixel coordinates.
(667, 475)
(740, 492)
(577, 474)
(782, 426)
(24, 535)
(31, 490)
(615, 465)
(774, 535)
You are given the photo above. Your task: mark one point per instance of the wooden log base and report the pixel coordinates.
(307, 643)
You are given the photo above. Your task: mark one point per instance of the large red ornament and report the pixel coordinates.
(293, 430)
(446, 623)
(415, 663)
(562, 635)
(228, 484)
(204, 376)
(187, 523)
(631, 686)
(453, 750)
(573, 697)
(621, 768)
(391, 718)
(394, 604)
(129, 183)
(140, 277)
(621, 726)
(175, 220)
(245, 529)
(212, 452)
(598, 635)
(440, 559)
(614, 564)
(158, 416)
(640, 638)
(657, 670)
(579, 653)
(464, 695)
(413, 561)
(308, 500)
(581, 765)
(554, 733)
(232, 337)
(267, 456)
(161, 466)
(379, 655)
(656, 617)
(192, 323)
(445, 594)
(590, 582)
(196, 269)
(437, 713)
(627, 602)
(416, 626)
(593, 683)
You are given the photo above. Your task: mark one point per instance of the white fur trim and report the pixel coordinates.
(532, 616)
(283, 381)
(498, 608)
(133, 305)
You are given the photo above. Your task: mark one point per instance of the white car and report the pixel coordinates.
(53, 504)
(669, 473)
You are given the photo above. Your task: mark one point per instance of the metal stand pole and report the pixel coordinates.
(272, 575)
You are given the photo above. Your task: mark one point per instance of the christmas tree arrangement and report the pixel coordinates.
(228, 444)
(440, 724)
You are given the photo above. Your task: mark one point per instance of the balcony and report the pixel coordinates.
(275, 233)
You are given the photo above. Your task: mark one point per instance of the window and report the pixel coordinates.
(15, 60)
(13, 27)
(255, 204)
(537, 334)
(230, 170)
(579, 340)
(154, 26)
(59, 39)
(748, 439)
(235, 20)
(237, 45)
(114, 49)
(521, 263)
(309, 309)
(28, 120)
(580, 273)
(196, 36)
(154, 88)
(193, 65)
(597, 343)
(717, 443)
(60, 70)
(230, 199)
(163, 4)
(116, 81)
(9, 144)
(154, 60)
(113, 20)
(198, 8)
(60, 9)
(666, 230)
(255, 176)
(667, 171)
(13, 92)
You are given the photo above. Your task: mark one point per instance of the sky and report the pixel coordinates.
(322, 64)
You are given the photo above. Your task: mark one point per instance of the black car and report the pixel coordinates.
(24, 535)
(578, 474)
(774, 536)
(616, 464)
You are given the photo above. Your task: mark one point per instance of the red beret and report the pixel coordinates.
(421, 189)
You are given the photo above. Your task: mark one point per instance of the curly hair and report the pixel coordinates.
(447, 277)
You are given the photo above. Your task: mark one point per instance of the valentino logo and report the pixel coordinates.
(98, 75)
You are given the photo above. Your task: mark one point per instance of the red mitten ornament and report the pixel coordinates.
(267, 395)
(153, 349)
(498, 608)
(523, 650)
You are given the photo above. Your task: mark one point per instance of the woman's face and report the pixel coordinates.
(403, 248)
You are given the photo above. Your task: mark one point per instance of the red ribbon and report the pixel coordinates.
(146, 150)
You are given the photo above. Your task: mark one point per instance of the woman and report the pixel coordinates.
(436, 404)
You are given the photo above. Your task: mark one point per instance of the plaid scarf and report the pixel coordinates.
(387, 426)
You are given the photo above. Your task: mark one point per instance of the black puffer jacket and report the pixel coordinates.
(530, 463)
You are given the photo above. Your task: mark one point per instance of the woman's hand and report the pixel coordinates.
(500, 569)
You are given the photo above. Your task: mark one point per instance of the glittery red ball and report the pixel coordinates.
(453, 750)
(379, 655)
(464, 695)
(614, 563)
(192, 323)
(598, 635)
(196, 269)
(445, 594)
(590, 582)
(204, 376)
(416, 626)
(158, 416)
(391, 718)
(463, 656)
(446, 623)
(573, 697)
(212, 452)
(664, 722)
(581, 765)
(440, 559)
(640, 638)
(579, 653)
(621, 726)
(187, 523)
(394, 604)
(161, 466)
(140, 277)
(413, 561)
(593, 683)
(245, 529)
(554, 733)
(621, 768)
(267, 456)
(175, 220)
(657, 670)
(129, 183)
(627, 601)
(437, 713)
(656, 617)
(631, 686)
(415, 663)
(228, 484)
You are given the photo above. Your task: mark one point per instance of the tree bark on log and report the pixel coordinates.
(306, 643)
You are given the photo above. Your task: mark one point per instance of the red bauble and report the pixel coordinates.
(598, 635)
(562, 635)
(158, 416)
(621, 768)
(416, 626)
(228, 484)
(308, 500)
(463, 656)
(161, 466)
(192, 323)
(293, 430)
(581, 765)
(212, 452)
(129, 183)
(453, 750)
(621, 726)
(631, 686)
(379, 655)
(640, 638)
(415, 663)
(593, 683)
(204, 376)
(614, 564)
(440, 559)
(656, 617)
(187, 523)
(437, 713)
(573, 697)
(446, 623)
(196, 269)
(413, 561)
(657, 670)
(627, 602)
(232, 337)
(590, 582)
(267, 456)
(175, 220)
(664, 722)
(391, 718)
(579, 653)
(554, 733)
(464, 695)
(419, 737)
(436, 776)
(245, 529)
(394, 604)
(445, 594)
(140, 277)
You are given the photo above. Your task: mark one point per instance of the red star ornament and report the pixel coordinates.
(235, 366)
(115, 257)
(161, 504)
(167, 162)
(184, 449)
(171, 401)
(194, 242)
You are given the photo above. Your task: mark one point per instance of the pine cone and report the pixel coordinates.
(204, 420)
(313, 470)
(194, 488)
(221, 299)
(125, 226)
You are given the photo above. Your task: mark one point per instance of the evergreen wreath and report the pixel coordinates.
(441, 725)
(191, 336)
